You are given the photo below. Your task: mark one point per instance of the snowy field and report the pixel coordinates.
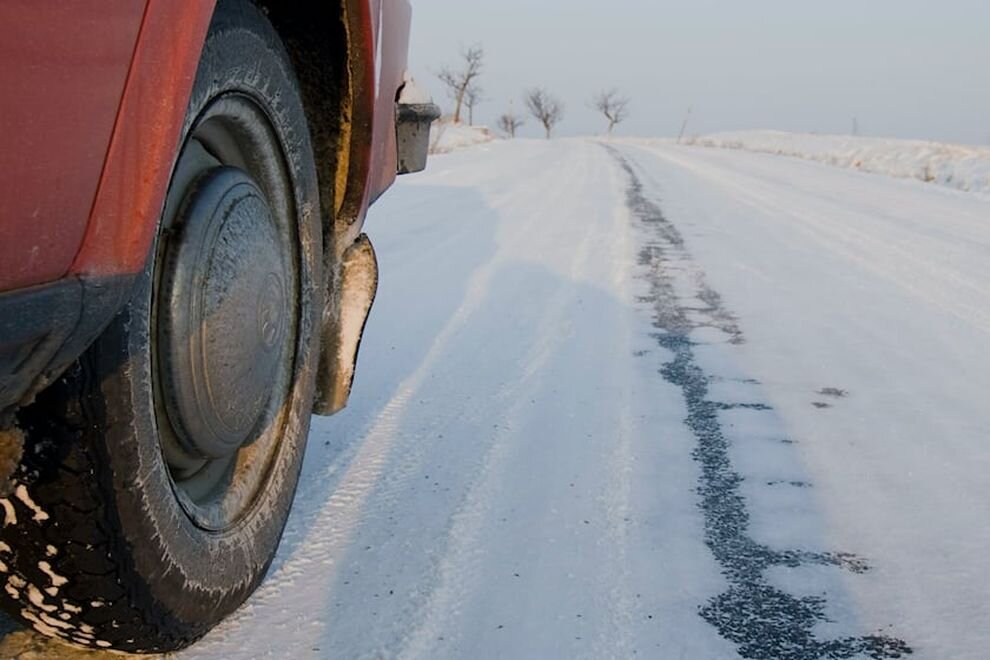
(956, 166)
(639, 400)
(446, 136)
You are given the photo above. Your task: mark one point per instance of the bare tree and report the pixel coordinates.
(614, 106)
(687, 118)
(472, 97)
(458, 81)
(547, 109)
(509, 123)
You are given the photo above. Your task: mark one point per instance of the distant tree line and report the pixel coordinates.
(462, 86)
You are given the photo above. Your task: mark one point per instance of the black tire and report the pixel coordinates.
(105, 543)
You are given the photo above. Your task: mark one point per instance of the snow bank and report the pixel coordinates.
(956, 166)
(447, 136)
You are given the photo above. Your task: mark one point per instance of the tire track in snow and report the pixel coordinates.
(904, 266)
(366, 488)
(617, 499)
(761, 619)
(459, 568)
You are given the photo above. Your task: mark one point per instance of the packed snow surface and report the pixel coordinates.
(956, 166)
(638, 400)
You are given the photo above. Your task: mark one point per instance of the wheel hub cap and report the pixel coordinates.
(223, 312)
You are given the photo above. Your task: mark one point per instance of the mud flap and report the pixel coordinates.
(341, 334)
(412, 129)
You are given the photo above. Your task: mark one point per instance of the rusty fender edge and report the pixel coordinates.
(341, 333)
(11, 451)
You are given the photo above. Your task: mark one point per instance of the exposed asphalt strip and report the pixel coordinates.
(761, 619)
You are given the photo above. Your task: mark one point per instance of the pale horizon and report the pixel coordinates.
(905, 69)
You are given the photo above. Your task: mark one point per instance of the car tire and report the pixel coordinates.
(160, 469)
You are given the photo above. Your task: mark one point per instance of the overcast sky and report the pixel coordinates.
(902, 68)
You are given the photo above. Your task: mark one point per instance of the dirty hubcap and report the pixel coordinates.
(222, 324)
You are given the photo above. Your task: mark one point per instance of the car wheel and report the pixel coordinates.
(159, 471)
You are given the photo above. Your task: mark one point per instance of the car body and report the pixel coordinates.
(184, 281)
(90, 120)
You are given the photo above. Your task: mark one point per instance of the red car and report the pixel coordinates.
(183, 281)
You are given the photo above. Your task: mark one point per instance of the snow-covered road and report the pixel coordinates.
(628, 400)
